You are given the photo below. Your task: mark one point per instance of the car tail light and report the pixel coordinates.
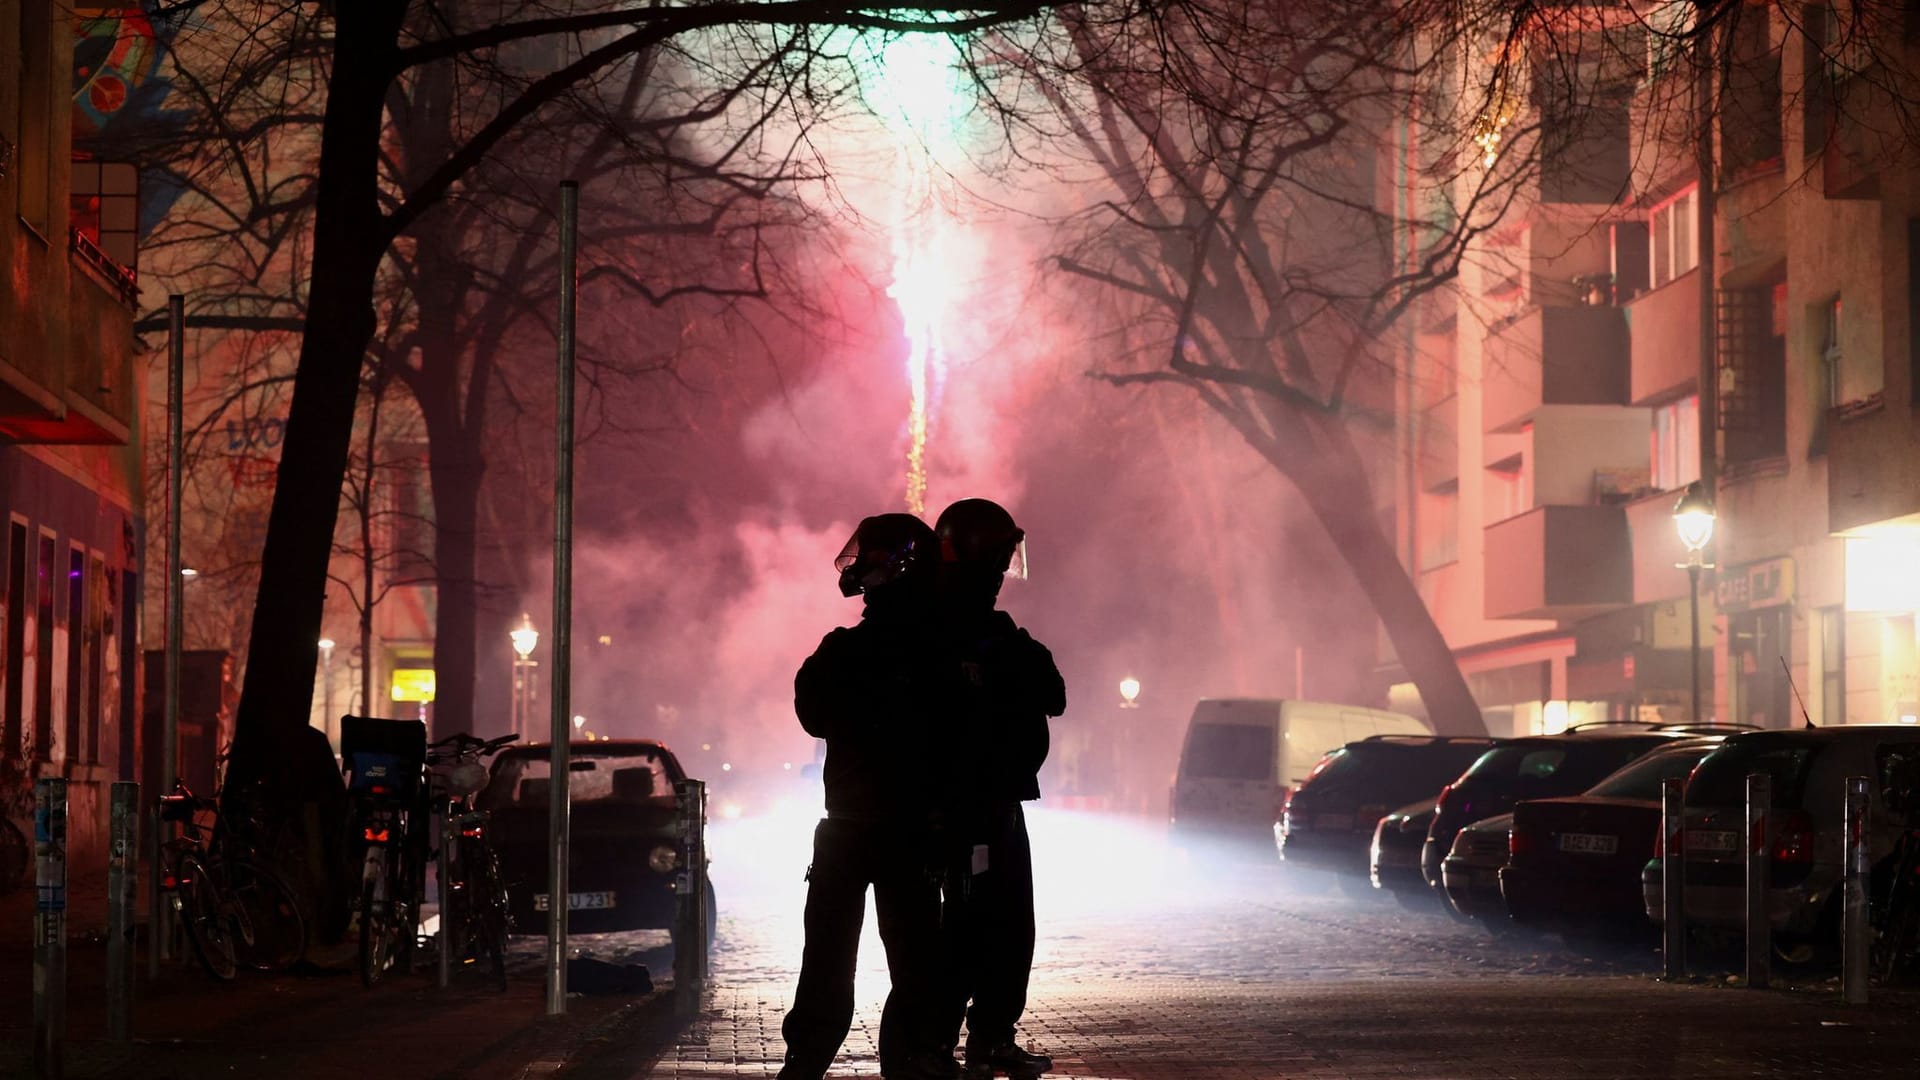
(169, 882)
(1520, 842)
(473, 832)
(378, 789)
(374, 836)
(1793, 841)
(1660, 841)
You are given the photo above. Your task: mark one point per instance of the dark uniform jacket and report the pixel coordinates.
(884, 699)
(1012, 687)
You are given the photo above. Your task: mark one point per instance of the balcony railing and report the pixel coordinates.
(1554, 356)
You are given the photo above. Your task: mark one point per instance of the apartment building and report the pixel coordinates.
(1553, 414)
(70, 478)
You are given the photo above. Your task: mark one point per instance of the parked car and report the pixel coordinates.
(1533, 767)
(1330, 818)
(1243, 755)
(1809, 769)
(1470, 874)
(1394, 861)
(625, 835)
(1573, 863)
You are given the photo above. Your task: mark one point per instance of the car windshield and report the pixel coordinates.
(1721, 777)
(526, 779)
(1558, 766)
(1642, 779)
(1229, 752)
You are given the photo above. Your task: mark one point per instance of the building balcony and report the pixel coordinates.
(1663, 330)
(1559, 562)
(79, 390)
(1553, 356)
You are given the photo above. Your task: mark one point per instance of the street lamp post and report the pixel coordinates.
(525, 640)
(326, 693)
(1693, 518)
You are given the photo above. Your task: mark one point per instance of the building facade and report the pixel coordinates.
(1553, 417)
(70, 473)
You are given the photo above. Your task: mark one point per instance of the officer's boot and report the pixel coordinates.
(930, 1065)
(1009, 1058)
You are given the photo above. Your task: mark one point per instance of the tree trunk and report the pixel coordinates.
(456, 468)
(349, 239)
(1342, 499)
(1318, 455)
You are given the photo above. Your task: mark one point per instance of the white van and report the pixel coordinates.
(1243, 755)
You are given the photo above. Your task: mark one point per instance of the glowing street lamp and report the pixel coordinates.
(326, 690)
(1129, 693)
(579, 724)
(1693, 520)
(525, 639)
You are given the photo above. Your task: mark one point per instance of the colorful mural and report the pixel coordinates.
(119, 92)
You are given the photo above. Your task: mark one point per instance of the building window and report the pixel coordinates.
(1751, 348)
(1676, 443)
(104, 207)
(36, 112)
(1833, 665)
(1439, 526)
(1669, 30)
(14, 673)
(42, 656)
(1674, 241)
(76, 654)
(1506, 489)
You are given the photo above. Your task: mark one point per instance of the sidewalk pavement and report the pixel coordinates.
(320, 1025)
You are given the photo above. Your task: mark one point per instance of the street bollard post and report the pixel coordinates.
(1759, 924)
(1673, 878)
(49, 926)
(123, 845)
(690, 957)
(443, 967)
(1855, 927)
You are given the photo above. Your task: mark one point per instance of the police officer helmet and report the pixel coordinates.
(980, 532)
(884, 549)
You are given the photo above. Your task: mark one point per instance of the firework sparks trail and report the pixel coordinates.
(921, 109)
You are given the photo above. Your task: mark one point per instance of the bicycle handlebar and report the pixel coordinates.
(461, 744)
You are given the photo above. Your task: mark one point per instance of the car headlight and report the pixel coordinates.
(663, 859)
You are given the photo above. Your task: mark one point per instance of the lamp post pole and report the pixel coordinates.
(331, 721)
(1693, 518)
(1693, 628)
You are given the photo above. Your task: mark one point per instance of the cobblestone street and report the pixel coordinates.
(1154, 967)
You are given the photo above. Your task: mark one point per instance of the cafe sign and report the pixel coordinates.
(1764, 584)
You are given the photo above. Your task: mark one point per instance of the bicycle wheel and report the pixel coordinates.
(490, 906)
(205, 918)
(376, 925)
(274, 934)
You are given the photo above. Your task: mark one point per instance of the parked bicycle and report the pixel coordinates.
(235, 911)
(473, 898)
(385, 762)
(1894, 909)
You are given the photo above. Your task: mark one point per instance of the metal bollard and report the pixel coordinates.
(1855, 933)
(49, 926)
(123, 843)
(1673, 878)
(1759, 924)
(690, 887)
(443, 968)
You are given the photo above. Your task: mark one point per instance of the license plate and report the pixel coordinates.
(1712, 841)
(578, 901)
(1589, 843)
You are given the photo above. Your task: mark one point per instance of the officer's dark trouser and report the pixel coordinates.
(900, 865)
(990, 931)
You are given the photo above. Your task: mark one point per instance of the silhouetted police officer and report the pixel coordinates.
(876, 693)
(1011, 688)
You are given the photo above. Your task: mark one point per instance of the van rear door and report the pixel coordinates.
(1227, 766)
